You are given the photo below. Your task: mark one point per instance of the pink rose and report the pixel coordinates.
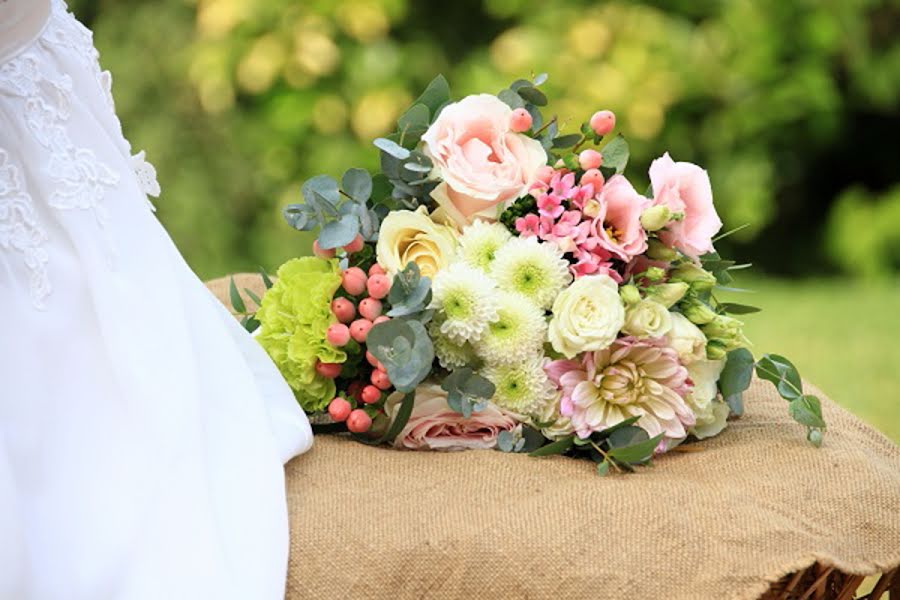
(483, 165)
(684, 187)
(618, 224)
(435, 426)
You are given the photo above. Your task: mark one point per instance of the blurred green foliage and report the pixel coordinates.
(791, 106)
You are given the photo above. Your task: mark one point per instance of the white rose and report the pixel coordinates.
(687, 339)
(647, 319)
(412, 236)
(587, 316)
(710, 412)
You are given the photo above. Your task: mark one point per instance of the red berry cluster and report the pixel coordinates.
(357, 311)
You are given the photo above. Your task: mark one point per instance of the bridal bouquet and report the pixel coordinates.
(500, 284)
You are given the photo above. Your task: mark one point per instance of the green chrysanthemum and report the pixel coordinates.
(464, 300)
(536, 270)
(519, 331)
(522, 388)
(479, 243)
(450, 354)
(295, 314)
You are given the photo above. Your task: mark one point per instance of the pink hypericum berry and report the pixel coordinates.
(520, 120)
(376, 269)
(545, 173)
(370, 308)
(378, 286)
(593, 177)
(371, 394)
(337, 334)
(359, 329)
(381, 319)
(371, 358)
(329, 370)
(343, 309)
(380, 380)
(355, 246)
(354, 281)
(590, 159)
(320, 252)
(359, 421)
(603, 121)
(339, 409)
(354, 390)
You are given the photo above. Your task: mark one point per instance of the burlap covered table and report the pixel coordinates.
(756, 504)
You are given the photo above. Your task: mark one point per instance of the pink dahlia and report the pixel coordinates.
(630, 378)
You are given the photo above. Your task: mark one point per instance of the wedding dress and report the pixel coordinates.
(142, 431)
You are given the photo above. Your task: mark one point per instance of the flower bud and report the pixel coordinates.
(715, 350)
(656, 250)
(697, 311)
(727, 331)
(629, 294)
(656, 217)
(699, 278)
(654, 274)
(667, 294)
(603, 121)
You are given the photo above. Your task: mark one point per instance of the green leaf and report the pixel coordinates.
(409, 293)
(357, 183)
(435, 95)
(602, 468)
(252, 296)
(781, 372)
(738, 309)
(391, 148)
(511, 99)
(566, 141)
(381, 188)
(615, 154)
(321, 187)
(540, 79)
(736, 378)
(558, 447)
(413, 123)
(339, 233)
(506, 441)
(236, 301)
(250, 323)
(636, 452)
(267, 281)
(807, 410)
(533, 95)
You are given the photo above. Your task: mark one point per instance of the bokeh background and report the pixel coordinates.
(791, 106)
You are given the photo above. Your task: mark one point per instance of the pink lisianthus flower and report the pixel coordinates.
(630, 378)
(684, 187)
(618, 225)
(433, 425)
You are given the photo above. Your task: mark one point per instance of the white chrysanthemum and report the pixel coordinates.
(450, 354)
(536, 270)
(523, 387)
(464, 299)
(479, 243)
(519, 331)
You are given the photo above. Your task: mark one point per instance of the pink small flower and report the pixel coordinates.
(618, 226)
(684, 187)
(528, 226)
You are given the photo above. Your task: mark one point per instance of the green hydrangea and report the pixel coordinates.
(295, 314)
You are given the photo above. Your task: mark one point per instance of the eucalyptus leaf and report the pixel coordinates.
(560, 446)
(392, 148)
(533, 95)
(511, 99)
(782, 373)
(436, 95)
(735, 378)
(357, 183)
(540, 79)
(321, 187)
(339, 233)
(807, 410)
(615, 154)
(738, 309)
(566, 141)
(603, 468)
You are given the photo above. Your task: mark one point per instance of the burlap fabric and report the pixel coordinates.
(756, 503)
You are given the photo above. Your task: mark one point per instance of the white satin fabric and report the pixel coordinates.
(142, 431)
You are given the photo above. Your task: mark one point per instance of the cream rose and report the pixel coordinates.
(687, 339)
(587, 316)
(647, 319)
(412, 236)
(433, 425)
(482, 164)
(711, 413)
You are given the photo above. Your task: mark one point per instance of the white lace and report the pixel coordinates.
(82, 180)
(20, 230)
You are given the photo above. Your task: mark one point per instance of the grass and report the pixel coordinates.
(842, 335)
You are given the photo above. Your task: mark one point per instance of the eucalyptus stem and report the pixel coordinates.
(605, 456)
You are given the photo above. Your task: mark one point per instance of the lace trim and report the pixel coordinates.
(20, 230)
